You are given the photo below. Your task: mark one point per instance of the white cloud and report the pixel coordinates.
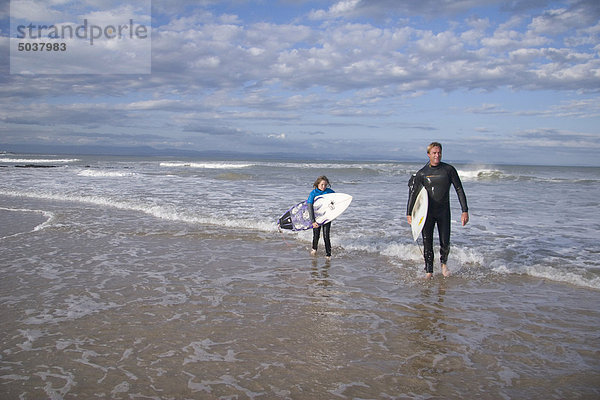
(339, 9)
(155, 105)
(34, 11)
(580, 14)
(364, 66)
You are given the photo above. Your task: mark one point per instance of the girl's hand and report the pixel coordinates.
(315, 225)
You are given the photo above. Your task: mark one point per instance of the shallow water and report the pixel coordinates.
(131, 290)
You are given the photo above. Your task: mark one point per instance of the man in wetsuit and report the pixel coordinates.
(437, 177)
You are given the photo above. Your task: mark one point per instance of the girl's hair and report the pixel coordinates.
(319, 179)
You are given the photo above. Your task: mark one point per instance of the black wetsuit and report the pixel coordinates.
(437, 181)
(326, 227)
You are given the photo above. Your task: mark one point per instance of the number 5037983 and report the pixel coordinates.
(42, 46)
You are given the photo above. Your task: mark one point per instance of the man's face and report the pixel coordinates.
(435, 156)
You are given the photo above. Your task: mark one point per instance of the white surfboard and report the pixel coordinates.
(327, 207)
(419, 213)
(330, 206)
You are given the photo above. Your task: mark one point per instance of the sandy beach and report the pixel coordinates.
(166, 311)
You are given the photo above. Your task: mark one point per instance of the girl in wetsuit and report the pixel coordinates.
(320, 187)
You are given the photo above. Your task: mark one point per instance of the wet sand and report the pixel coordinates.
(162, 310)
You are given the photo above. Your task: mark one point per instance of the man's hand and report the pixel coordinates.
(464, 218)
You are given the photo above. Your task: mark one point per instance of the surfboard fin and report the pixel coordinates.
(285, 222)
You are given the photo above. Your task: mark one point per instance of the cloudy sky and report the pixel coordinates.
(494, 81)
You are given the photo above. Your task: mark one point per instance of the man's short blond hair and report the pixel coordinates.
(432, 145)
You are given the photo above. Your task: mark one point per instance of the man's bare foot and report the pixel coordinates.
(445, 271)
(313, 252)
(429, 275)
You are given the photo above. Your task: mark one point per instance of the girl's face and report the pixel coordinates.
(322, 185)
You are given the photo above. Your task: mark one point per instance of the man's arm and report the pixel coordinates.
(462, 198)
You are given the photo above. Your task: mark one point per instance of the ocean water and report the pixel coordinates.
(168, 279)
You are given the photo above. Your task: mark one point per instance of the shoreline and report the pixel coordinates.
(130, 305)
